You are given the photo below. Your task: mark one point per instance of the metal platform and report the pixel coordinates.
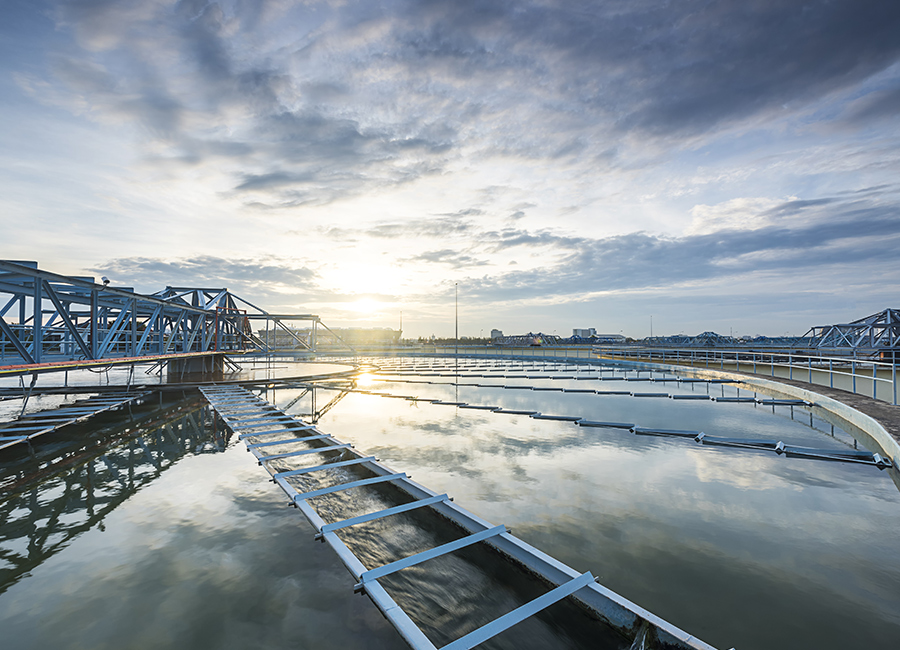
(266, 429)
(31, 426)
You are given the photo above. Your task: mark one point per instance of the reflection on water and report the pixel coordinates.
(742, 548)
(73, 483)
(449, 596)
(126, 534)
(154, 532)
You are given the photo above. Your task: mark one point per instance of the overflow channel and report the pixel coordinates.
(542, 602)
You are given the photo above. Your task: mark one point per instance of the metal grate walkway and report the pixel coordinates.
(271, 434)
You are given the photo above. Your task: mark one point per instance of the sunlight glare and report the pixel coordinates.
(365, 306)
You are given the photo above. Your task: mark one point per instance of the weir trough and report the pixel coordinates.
(242, 411)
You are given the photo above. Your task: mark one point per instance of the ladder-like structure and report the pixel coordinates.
(270, 434)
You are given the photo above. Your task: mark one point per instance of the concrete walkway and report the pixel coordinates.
(885, 414)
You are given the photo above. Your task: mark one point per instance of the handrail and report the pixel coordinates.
(853, 373)
(859, 375)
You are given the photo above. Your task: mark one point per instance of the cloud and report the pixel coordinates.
(359, 99)
(453, 258)
(247, 277)
(876, 106)
(734, 214)
(433, 228)
(696, 140)
(842, 234)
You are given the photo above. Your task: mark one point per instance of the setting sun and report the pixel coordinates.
(365, 306)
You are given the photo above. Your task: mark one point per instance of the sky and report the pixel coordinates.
(705, 165)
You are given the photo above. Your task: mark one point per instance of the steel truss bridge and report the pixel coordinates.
(873, 336)
(878, 333)
(51, 322)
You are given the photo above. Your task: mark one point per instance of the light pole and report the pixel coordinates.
(456, 314)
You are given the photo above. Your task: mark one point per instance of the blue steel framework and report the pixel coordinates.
(874, 335)
(47, 318)
(878, 333)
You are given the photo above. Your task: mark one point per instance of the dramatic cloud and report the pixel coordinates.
(328, 154)
(248, 278)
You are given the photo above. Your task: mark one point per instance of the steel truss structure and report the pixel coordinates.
(878, 333)
(715, 340)
(48, 318)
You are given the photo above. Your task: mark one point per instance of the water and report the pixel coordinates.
(740, 548)
(188, 548)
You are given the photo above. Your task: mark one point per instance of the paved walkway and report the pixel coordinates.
(886, 414)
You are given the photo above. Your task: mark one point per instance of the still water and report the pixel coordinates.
(160, 531)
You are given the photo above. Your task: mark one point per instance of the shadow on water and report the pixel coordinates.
(70, 483)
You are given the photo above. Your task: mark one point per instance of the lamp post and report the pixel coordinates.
(456, 314)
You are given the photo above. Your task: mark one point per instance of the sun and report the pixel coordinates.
(365, 306)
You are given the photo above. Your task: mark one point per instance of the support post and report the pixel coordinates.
(134, 339)
(94, 343)
(874, 380)
(38, 324)
(894, 374)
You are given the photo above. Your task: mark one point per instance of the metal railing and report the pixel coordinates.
(863, 376)
(860, 375)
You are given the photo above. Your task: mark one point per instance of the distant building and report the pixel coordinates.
(496, 334)
(328, 338)
(366, 335)
(585, 333)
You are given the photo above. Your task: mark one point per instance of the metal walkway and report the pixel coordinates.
(270, 435)
(31, 426)
(51, 322)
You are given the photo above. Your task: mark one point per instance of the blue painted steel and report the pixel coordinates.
(387, 478)
(289, 441)
(73, 319)
(246, 424)
(495, 627)
(387, 512)
(319, 468)
(612, 607)
(39, 424)
(430, 554)
(304, 452)
(272, 432)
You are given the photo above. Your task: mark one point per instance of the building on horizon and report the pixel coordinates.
(332, 337)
